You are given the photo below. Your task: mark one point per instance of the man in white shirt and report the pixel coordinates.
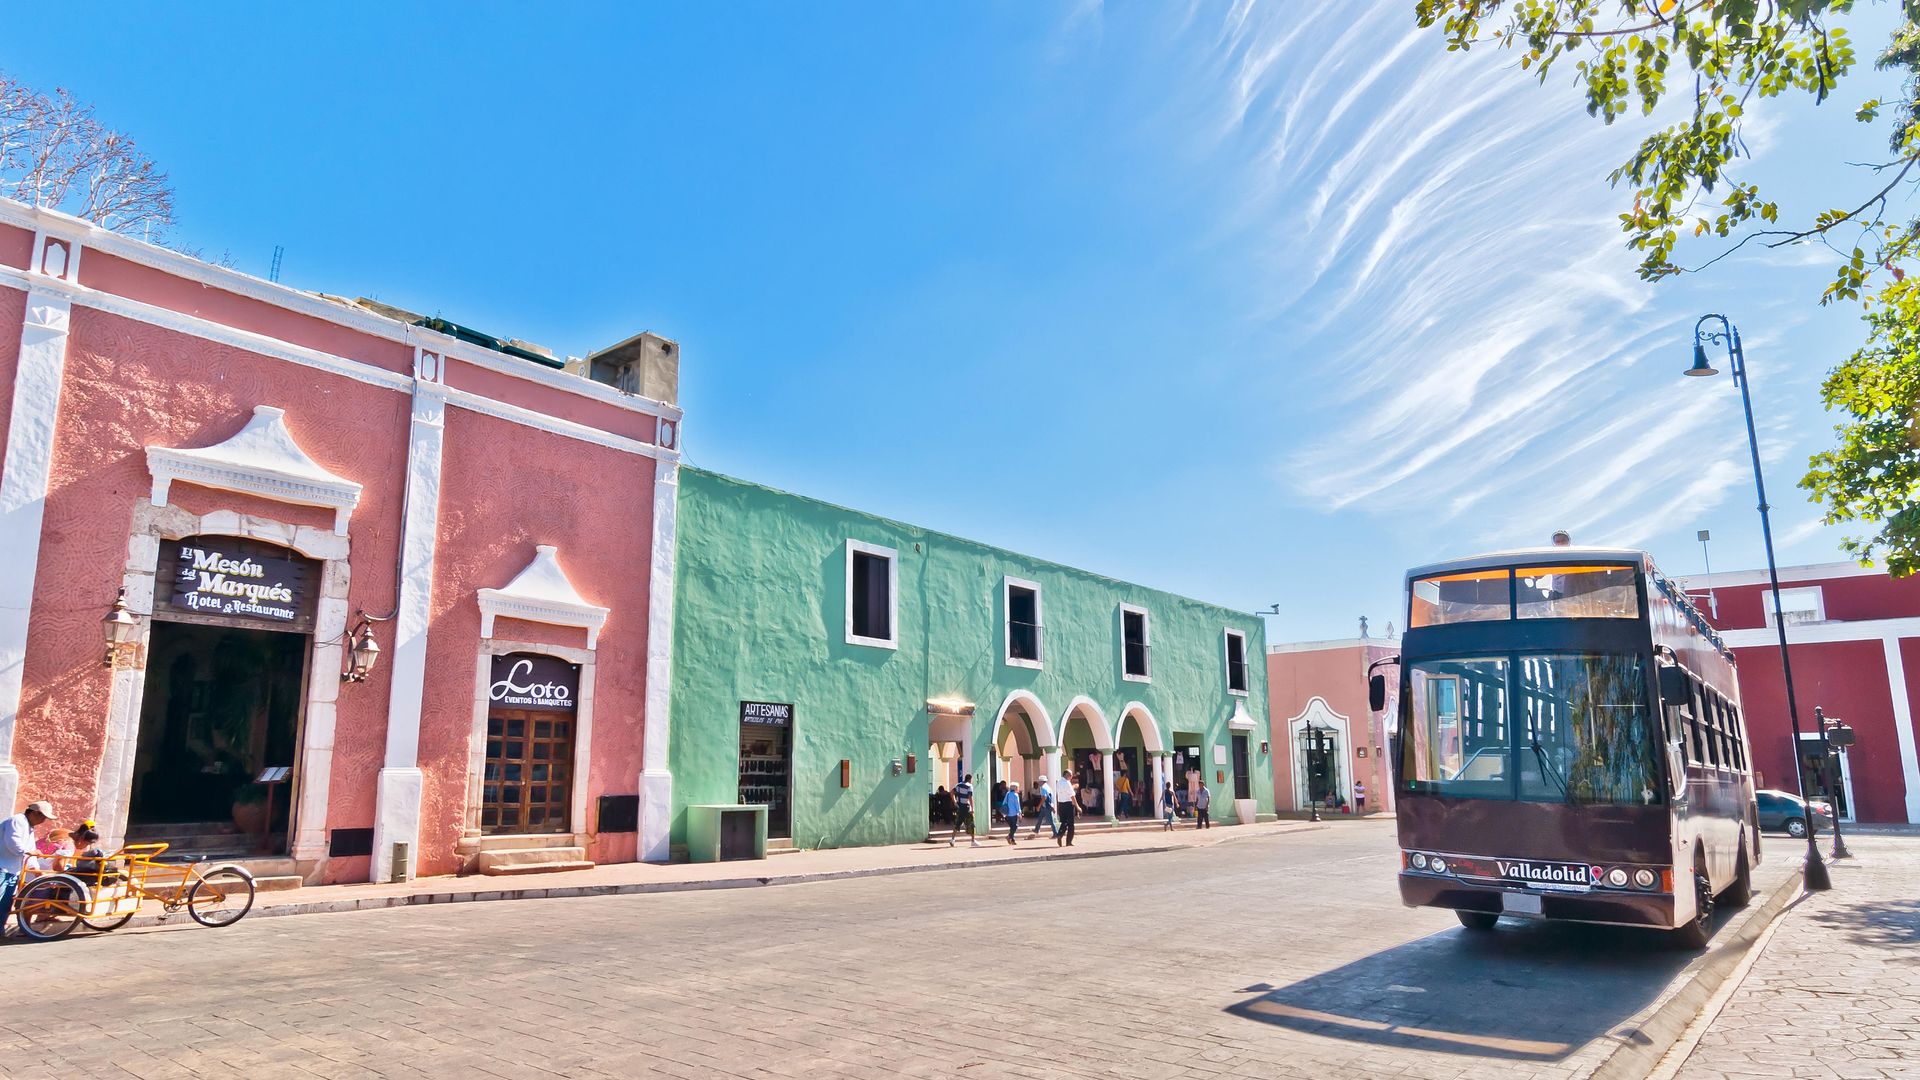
(1068, 809)
(1045, 816)
(17, 844)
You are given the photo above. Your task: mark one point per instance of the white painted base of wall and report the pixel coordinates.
(10, 789)
(1246, 811)
(656, 815)
(396, 821)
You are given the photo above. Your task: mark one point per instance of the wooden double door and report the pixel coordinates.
(528, 783)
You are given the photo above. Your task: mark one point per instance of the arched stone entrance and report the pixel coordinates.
(1023, 747)
(1139, 755)
(1086, 749)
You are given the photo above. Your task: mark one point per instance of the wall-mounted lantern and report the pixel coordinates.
(363, 653)
(120, 628)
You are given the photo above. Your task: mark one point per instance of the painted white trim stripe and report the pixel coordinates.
(656, 774)
(336, 365)
(1731, 579)
(1903, 727)
(1822, 633)
(23, 500)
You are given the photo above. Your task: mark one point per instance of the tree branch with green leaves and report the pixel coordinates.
(1694, 190)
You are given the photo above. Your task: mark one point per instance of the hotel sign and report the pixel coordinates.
(231, 581)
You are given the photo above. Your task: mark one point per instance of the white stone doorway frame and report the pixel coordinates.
(491, 647)
(313, 769)
(1320, 714)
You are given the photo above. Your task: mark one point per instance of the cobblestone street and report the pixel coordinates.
(1275, 956)
(1836, 993)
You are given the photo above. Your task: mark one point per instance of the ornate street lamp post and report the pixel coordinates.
(1817, 877)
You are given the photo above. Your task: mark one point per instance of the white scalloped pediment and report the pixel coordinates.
(261, 459)
(541, 593)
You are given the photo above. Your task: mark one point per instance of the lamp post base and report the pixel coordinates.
(1817, 880)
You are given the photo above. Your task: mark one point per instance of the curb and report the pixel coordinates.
(377, 903)
(1649, 1035)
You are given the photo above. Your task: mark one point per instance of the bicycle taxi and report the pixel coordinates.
(103, 892)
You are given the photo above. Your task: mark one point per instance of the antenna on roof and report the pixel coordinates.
(1713, 601)
(273, 272)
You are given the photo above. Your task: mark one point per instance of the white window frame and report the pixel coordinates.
(1793, 600)
(1226, 660)
(1007, 585)
(1146, 624)
(893, 594)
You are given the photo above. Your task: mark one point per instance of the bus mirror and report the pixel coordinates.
(1377, 692)
(1677, 771)
(1674, 692)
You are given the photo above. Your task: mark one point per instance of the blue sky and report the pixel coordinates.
(1257, 303)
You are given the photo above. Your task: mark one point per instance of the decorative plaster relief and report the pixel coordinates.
(541, 593)
(261, 459)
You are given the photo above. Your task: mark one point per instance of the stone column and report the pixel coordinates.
(1159, 782)
(1106, 774)
(656, 771)
(1053, 764)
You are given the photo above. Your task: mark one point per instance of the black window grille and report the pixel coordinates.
(1236, 662)
(1023, 623)
(1134, 648)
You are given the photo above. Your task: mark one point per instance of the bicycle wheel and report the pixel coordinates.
(48, 908)
(221, 897)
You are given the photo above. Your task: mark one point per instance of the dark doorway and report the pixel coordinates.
(1242, 769)
(222, 706)
(766, 774)
(526, 787)
(1323, 770)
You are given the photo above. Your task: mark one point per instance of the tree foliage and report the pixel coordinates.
(1692, 189)
(54, 152)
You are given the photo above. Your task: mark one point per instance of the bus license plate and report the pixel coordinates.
(1519, 903)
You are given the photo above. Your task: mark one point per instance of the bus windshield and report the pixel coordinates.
(1557, 727)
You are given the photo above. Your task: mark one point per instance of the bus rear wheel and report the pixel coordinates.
(1478, 920)
(1699, 929)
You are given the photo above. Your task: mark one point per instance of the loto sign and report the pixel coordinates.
(533, 681)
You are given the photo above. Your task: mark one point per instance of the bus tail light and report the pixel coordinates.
(1617, 878)
(1643, 878)
(1666, 881)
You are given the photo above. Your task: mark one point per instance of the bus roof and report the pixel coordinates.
(1540, 556)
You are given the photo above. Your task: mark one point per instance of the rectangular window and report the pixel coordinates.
(1696, 746)
(1798, 606)
(1023, 623)
(1473, 596)
(1236, 662)
(1136, 644)
(1576, 592)
(872, 577)
(1456, 740)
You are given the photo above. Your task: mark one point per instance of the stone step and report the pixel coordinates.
(520, 869)
(514, 841)
(277, 883)
(519, 860)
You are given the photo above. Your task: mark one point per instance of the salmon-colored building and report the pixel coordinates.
(1853, 633)
(396, 594)
(1325, 736)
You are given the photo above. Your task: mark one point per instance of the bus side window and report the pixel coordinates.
(1739, 739)
(1696, 753)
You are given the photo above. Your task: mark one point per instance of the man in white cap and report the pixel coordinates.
(17, 843)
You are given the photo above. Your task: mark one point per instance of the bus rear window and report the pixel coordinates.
(1576, 592)
(1473, 596)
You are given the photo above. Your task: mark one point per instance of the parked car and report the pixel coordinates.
(1782, 811)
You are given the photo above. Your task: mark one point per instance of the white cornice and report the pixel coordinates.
(1823, 633)
(1728, 579)
(260, 459)
(1334, 643)
(85, 233)
(541, 593)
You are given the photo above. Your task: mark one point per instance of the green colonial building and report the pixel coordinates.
(841, 669)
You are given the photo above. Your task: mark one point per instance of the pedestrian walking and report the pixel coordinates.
(1360, 797)
(17, 845)
(1066, 801)
(1010, 806)
(1166, 805)
(1044, 815)
(963, 811)
(1123, 795)
(1201, 802)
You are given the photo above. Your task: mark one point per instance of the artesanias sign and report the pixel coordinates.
(533, 681)
(224, 578)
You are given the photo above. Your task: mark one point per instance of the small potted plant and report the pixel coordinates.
(250, 809)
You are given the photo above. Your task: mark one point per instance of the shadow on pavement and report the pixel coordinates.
(1880, 924)
(1527, 991)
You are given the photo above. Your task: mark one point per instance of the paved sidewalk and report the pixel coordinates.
(826, 865)
(1836, 991)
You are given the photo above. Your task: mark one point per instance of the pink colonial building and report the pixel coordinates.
(1854, 636)
(398, 594)
(1321, 686)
